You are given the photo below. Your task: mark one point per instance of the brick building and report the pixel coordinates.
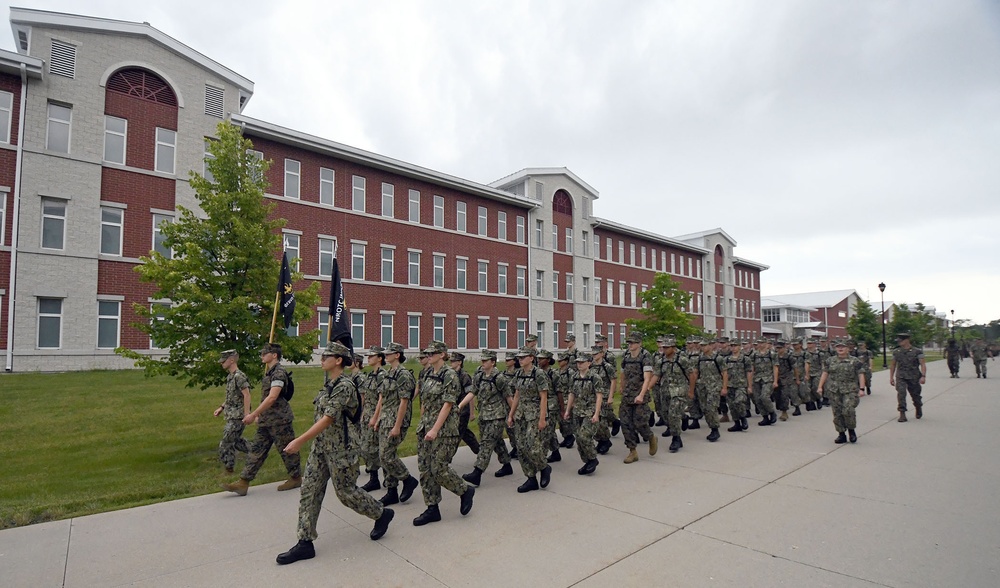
(809, 314)
(116, 113)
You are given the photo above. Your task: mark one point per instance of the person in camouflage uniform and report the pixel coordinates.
(334, 456)
(843, 375)
(980, 352)
(561, 379)
(235, 408)
(371, 383)
(865, 356)
(765, 381)
(786, 379)
(802, 392)
(713, 383)
(493, 396)
(636, 380)
(813, 372)
(677, 378)
(584, 404)
(825, 353)
(655, 392)
(562, 389)
(739, 367)
(438, 437)
(457, 361)
(274, 426)
(606, 372)
(692, 351)
(394, 412)
(529, 415)
(510, 367)
(549, 440)
(907, 373)
(953, 355)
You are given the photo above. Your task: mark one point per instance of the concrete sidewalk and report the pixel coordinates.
(911, 504)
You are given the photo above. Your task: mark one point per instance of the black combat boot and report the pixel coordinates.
(684, 423)
(588, 468)
(765, 421)
(467, 501)
(694, 424)
(841, 438)
(744, 423)
(529, 485)
(546, 476)
(391, 497)
(382, 524)
(616, 427)
(868, 389)
(797, 412)
(920, 410)
(661, 422)
(431, 515)
(675, 444)
(737, 426)
(567, 442)
(810, 407)
(554, 457)
(604, 446)
(513, 453)
(409, 485)
(475, 477)
(373, 483)
(714, 435)
(505, 470)
(652, 419)
(302, 550)
(666, 433)
(852, 435)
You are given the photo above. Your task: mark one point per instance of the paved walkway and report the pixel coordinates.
(910, 504)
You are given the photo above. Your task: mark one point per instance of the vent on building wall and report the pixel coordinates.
(142, 84)
(62, 62)
(539, 189)
(215, 99)
(22, 40)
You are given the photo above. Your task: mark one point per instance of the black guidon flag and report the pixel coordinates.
(339, 327)
(287, 296)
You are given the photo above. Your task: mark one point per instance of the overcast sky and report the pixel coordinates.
(840, 142)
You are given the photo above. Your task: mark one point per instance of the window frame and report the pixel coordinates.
(330, 254)
(391, 261)
(124, 137)
(295, 175)
(49, 122)
(40, 314)
(324, 182)
(438, 211)
(461, 217)
(384, 341)
(173, 152)
(359, 187)
(439, 269)
(117, 318)
(54, 218)
(411, 267)
(483, 219)
(354, 260)
(413, 205)
(388, 201)
(120, 225)
(10, 116)
(501, 225)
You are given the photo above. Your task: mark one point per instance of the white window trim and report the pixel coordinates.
(69, 124)
(123, 135)
(388, 192)
(10, 118)
(64, 218)
(333, 184)
(118, 321)
(38, 320)
(120, 225)
(156, 152)
(364, 193)
(297, 173)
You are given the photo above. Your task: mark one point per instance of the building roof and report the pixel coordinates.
(698, 236)
(22, 19)
(766, 302)
(521, 175)
(309, 142)
(11, 62)
(627, 230)
(747, 262)
(812, 300)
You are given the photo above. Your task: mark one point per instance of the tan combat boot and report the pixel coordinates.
(652, 444)
(784, 416)
(632, 456)
(290, 484)
(240, 487)
(902, 416)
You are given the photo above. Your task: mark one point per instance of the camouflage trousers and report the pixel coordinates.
(635, 422)
(661, 402)
(491, 441)
(260, 445)
(902, 387)
(791, 390)
(762, 397)
(567, 426)
(780, 395)
(980, 366)
(607, 418)
(550, 441)
(395, 470)
(232, 441)
(843, 405)
(434, 462)
(868, 378)
(814, 389)
(530, 451)
(739, 403)
(676, 405)
(708, 398)
(463, 430)
(369, 443)
(694, 407)
(586, 431)
(319, 469)
(511, 435)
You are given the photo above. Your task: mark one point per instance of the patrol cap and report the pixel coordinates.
(525, 351)
(569, 338)
(668, 342)
(693, 341)
(375, 350)
(357, 359)
(705, 342)
(510, 355)
(723, 339)
(762, 340)
(487, 354)
(435, 347)
(901, 336)
(394, 348)
(583, 356)
(456, 356)
(840, 343)
(531, 338)
(780, 343)
(563, 356)
(543, 354)
(596, 349)
(227, 354)
(422, 354)
(599, 338)
(271, 348)
(811, 342)
(338, 349)
(634, 337)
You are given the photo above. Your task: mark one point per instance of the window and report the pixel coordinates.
(159, 310)
(3, 216)
(621, 294)
(540, 333)
(522, 327)
(6, 115)
(166, 146)
(115, 131)
(539, 279)
(324, 322)
(520, 229)
(460, 225)
(751, 281)
(206, 172)
(414, 268)
(586, 289)
(358, 193)
(611, 335)
(291, 243)
(501, 334)
(569, 286)
(326, 248)
(438, 328)
(413, 332)
(159, 239)
(502, 226)
(652, 258)
(663, 261)
(502, 279)
(570, 328)
(386, 329)
(57, 133)
(255, 159)
(108, 320)
(621, 252)
(611, 292)
(771, 315)
(49, 323)
(414, 209)
(111, 230)
(608, 250)
(293, 174)
(292, 330)
(326, 181)
(357, 261)
(439, 271)
(690, 271)
(358, 329)
(621, 333)
(642, 256)
(597, 246)
(483, 268)
(586, 243)
(555, 334)
(460, 334)
(388, 200)
(635, 301)
(387, 264)
(631, 253)
(460, 273)
(539, 229)
(522, 277)
(597, 290)
(482, 221)
(484, 325)
(569, 240)
(673, 263)
(439, 212)
(555, 285)
(555, 237)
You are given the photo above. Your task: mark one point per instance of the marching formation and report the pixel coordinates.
(365, 415)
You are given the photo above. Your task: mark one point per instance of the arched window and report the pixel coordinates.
(561, 202)
(142, 84)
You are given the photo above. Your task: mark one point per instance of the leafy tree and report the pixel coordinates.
(922, 327)
(662, 312)
(222, 275)
(865, 325)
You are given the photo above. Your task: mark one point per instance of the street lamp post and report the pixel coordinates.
(952, 324)
(885, 361)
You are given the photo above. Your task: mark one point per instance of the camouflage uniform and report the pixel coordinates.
(709, 387)
(656, 392)
(812, 359)
(635, 417)
(801, 390)
(585, 389)
(398, 384)
(434, 457)
(508, 378)
(763, 380)
(674, 383)
(465, 413)
(233, 412)
(561, 385)
(607, 372)
(274, 427)
(529, 387)
(334, 455)
(371, 383)
(694, 406)
(841, 388)
(491, 395)
(550, 442)
(786, 380)
(738, 365)
(907, 375)
(865, 357)
(979, 354)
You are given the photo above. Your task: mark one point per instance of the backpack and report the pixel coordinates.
(289, 388)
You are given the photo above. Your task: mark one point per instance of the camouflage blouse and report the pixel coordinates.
(336, 400)
(437, 389)
(232, 409)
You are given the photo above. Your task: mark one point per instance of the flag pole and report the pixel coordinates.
(329, 311)
(274, 319)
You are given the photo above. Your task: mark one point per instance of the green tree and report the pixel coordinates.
(920, 325)
(662, 312)
(222, 275)
(865, 325)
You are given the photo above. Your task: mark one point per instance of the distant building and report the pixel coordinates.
(810, 314)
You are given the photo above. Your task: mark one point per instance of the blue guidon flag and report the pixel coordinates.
(338, 329)
(286, 295)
